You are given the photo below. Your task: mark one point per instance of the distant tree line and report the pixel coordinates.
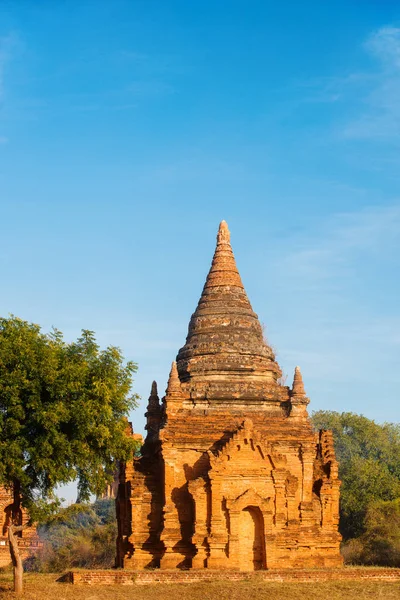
(369, 468)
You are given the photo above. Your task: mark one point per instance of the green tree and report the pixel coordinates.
(63, 410)
(369, 464)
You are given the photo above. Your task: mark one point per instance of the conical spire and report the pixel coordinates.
(174, 385)
(154, 400)
(225, 338)
(153, 414)
(223, 269)
(298, 397)
(298, 390)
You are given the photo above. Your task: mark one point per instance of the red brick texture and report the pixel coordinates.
(232, 475)
(194, 576)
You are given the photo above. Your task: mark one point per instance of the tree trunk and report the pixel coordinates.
(15, 526)
(16, 557)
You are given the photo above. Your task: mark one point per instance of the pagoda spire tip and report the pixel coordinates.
(223, 233)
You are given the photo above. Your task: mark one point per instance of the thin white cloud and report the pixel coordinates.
(338, 284)
(334, 89)
(385, 43)
(3, 140)
(128, 97)
(342, 240)
(371, 96)
(380, 108)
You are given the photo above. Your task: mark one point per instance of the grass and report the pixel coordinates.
(45, 587)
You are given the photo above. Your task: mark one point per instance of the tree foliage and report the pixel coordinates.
(369, 465)
(63, 410)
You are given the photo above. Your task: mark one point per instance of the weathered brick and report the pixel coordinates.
(193, 576)
(232, 475)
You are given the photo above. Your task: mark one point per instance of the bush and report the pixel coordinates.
(369, 465)
(352, 552)
(380, 543)
(82, 535)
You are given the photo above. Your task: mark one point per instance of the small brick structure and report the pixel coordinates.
(232, 474)
(27, 539)
(157, 576)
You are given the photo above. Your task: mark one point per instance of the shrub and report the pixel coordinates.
(82, 535)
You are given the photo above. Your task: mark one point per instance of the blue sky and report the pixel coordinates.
(129, 129)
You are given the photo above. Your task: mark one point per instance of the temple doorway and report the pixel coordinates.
(251, 539)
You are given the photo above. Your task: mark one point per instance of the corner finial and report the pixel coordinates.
(224, 235)
(174, 384)
(154, 401)
(298, 385)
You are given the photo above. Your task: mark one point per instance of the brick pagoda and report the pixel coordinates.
(231, 474)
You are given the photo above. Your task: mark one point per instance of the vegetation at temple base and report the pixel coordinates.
(380, 542)
(63, 410)
(369, 468)
(80, 536)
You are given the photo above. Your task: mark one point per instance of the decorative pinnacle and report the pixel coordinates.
(298, 385)
(224, 234)
(174, 384)
(154, 401)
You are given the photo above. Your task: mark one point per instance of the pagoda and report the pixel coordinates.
(231, 474)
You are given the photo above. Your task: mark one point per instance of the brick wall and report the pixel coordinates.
(192, 576)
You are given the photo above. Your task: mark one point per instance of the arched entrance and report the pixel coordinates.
(251, 539)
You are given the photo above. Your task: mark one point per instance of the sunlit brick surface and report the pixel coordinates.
(232, 476)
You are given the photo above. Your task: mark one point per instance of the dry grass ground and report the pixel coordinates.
(45, 587)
